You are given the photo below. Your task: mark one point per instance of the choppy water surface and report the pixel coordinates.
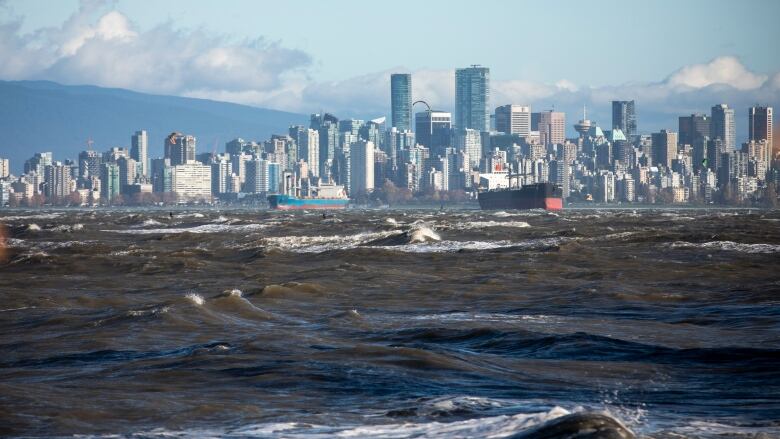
(389, 323)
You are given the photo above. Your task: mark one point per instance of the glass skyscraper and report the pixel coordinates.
(139, 151)
(472, 96)
(401, 101)
(722, 127)
(624, 118)
(432, 130)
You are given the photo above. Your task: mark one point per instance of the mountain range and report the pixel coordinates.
(46, 116)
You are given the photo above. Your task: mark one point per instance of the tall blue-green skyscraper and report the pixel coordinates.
(472, 96)
(401, 100)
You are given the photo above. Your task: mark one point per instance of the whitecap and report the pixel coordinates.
(195, 298)
(489, 318)
(33, 227)
(718, 430)
(318, 244)
(150, 223)
(29, 217)
(494, 426)
(205, 228)
(148, 312)
(423, 234)
(454, 246)
(67, 228)
(485, 224)
(727, 246)
(448, 246)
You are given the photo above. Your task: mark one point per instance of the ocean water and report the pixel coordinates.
(388, 323)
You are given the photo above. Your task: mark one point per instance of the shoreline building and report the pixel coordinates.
(361, 164)
(191, 180)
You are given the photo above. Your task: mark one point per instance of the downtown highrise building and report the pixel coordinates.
(5, 168)
(624, 118)
(552, 127)
(722, 126)
(361, 167)
(57, 180)
(664, 147)
(401, 101)
(310, 151)
(513, 119)
(472, 96)
(693, 128)
(89, 164)
(179, 148)
(139, 151)
(433, 130)
(760, 125)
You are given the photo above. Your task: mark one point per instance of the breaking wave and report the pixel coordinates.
(727, 246)
(484, 224)
(205, 228)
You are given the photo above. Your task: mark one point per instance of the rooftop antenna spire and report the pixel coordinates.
(584, 112)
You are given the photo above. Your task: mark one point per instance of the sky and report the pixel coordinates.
(305, 56)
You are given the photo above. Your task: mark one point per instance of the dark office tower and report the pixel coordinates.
(693, 127)
(760, 125)
(433, 130)
(401, 101)
(235, 146)
(624, 118)
(722, 127)
(535, 121)
(472, 96)
(664, 148)
(179, 148)
(315, 121)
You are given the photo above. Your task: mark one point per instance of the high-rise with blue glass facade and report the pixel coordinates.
(472, 96)
(401, 101)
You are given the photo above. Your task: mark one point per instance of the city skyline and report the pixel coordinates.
(607, 163)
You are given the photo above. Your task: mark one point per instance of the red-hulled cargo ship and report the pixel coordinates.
(533, 196)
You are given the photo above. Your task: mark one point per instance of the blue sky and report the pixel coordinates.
(673, 57)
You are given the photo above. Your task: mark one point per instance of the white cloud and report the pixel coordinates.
(725, 70)
(103, 47)
(100, 46)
